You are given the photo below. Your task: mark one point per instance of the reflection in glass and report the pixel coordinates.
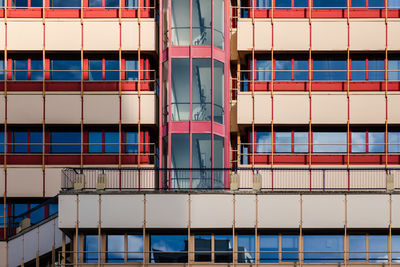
(394, 142)
(135, 248)
(165, 92)
(176, 245)
(131, 70)
(263, 140)
(394, 3)
(36, 70)
(358, 68)
(95, 70)
(263, 68)
(131, 142)
(180, 158)
(394, 68)
(329, 69)
(201, 95)
(246, 248)
(91, 247)
(323, 248)
(396, 248)
(378, 247)
(376, 70)
(19, 3)
(301, 70)
(111, 142)
(95, 142)
(283, 142)
(219, 91)
(357, 248)
(112, 70)
(376, 142)
(66, 70)
(269, 244)
(283, 70)
(2, 142)
(180, 89)
(202, 243)
(290, 248)
(37, 215)
(66, 4)
(218, 162)
(300, 142)
(223, 248)
(20, 70)
(19, 142)
(65, 142)
(180, 24)
(329, 4)
(115, 246)
(358, 142)
(329, 142)
(201, 159)
(201, 33)
(219, 17)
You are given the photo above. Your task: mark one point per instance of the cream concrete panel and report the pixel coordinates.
(25, 34)
(25, 108)
(328, 108)
(244, 111)
(395, 211)
(63, 109)
(284, 114)
(67, 211)
(393, 108)
(167, 211)
(262, 108)
(291, 34)
(130, 108)
(100, 35)
(100, 109)
(2, 33)
(129, 209)
(263, 35)
(368, 211)
(244, 35)
(2, 181)
(63, 35)
(46, 237)
(52, 181)
(393, 34)
(15, 248)
(329, 34)
(31, 244)
(24, 182)
(245, 211)
(323, 211)
(130, 35)
(148, 35)
(367, 108)
(211, 211)
(367, 34)
(2, 108)
(278, 211)
(3, 254)
(88, 211)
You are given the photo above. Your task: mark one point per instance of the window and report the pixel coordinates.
(246, 248)
(394, 69)
(269, 248)
(223, 248)
(180, 23)
(174, 245)
(26, 3)
(65, 4)
(104, 142)
(91, 247)
(219, 19)
(2, 70)
(219, 91)
(394, 3)
(288, 69)
(201, 22)
(378, 247)
(131, 3)
(376, 70)
(329, 142)
(37, 215)
(374, 144)
(95, 70)
(180, 95)
(358, 142)
(300, 142)
(65, 70)
(394, 142)
(367, 69)
(264, 3)
(27, 69)
(396, 248)
(202, 247)
(131, 142)
(110, 67)
(263, 141)
(201, 89)
(330, 4)
(1, 141)
(368, 3)
(115, 247)
(111, 70)
(357, 248)
(263, 70)
(135, 248)
(53, 209)
(65, 142)
(290, 248)
(3, 214)
(329, 69)
(107, 3)
(283, 142)
(26, 142)
(323, 248)
(290, 3)
(131, 70)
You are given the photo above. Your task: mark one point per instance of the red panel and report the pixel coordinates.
(328, 13)
(62, 159)
(201, 127)
(291, 13)
(366, 13)
(178, 126)
(367, 159)
(100, 159)
(62, 13)
(291, 86)
(25, 13)
(1, 13)
(178, 51)
(133, 86)
(100, 13)
(24, 159)
(100, 86)
(329, 159)
(1, 86)
(291, 159)
(133, 159)
(63, 86)
(393, 159)
(25, 86)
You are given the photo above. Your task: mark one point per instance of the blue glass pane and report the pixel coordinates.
(394, 70)
(376, 142)
(168, 243)
(376, 3)
(263, 70)
(2, 215)
(131, 142)
(223, 248)
(394, 3)
(300, 142)
(357, 248)
(36, 142)
(112, 3)
(202, 243)
(36, 3)
(37, 215)
(1, 141)
(283, 70)
(95, 142)
(2, 70)
(135, 247)
(53, 209)
(246, 248)
(394, 142)
(376, 70)
(131, 67)
(329, 142)
(20, 3)
(65, 142)
(19, 142)
(358, 3)
(95, 3)
(329, 4)
(63, 3)
(66, 70)
(36, 70)
(301, 3)
(20, 68)
(112, 70)
(358, 70)
(20, 209)
(263, 141)
(283, 142)
(330, 70)
(358, 142)
(115, 248)
(269, 244)
(111, 142)
(290, 248)
(283, 3)
(131, 3)
(301, 70)
(396, 248)
(91, 248)
(323, 248)
(263, 3)
(378, 247)
(95, 70)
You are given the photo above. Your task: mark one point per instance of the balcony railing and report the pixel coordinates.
(259, 179)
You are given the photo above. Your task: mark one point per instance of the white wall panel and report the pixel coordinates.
(100, 35)
(3, 254)
(368, 211)
(244, 113)
(148, 35)
(63, 35)
(24, 182)
(361, 111)
(394, 108)
(130, 108)
(291, 34)
(263, 35)
(211, 211)
(329, 34)
(52, 181)
(395, 211)
(46, 237)
(129, 209)
(31, 244)
(2, 108)
(393, 34)
(2, 181)
(328, 108)
(323, 211)
(367, 34)
(88, 211)
(130, 35)
(67, 211)
(245, 211)
(278, 211)
(298, 115)
(25, 34)
(63, 109)
(262, 108)
(25, 108)
(15, 252)
(244, 35)
(101, 109)
(2, 33)
(167, 211)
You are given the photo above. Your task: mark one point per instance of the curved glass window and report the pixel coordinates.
(201, 95)
(180, 23)
(180, 93)
(201, 22)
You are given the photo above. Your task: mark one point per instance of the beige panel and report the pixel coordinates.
(100, 35)
(393, 34)
(148, 35)
(245, 211)
(244, 112)
(52, 181)
(129, 209)
(2, 33)
(291, 34)
(63, 35)
(395, 211)
(63, 109)
(2, 108)
(262, 108)
(244, 35)
(100, 109)
(263, 34)
(361, 111)
(25, 108)
(67, 211)
(167, 211)
(25, 34)
(394, 108)
(3, 254)
(368, 211)
(130, 35)
(298, 115)
(24, 182)
(130, 108)
(328, 108)
(329, 34)
(367, 34)
(323, 211)
(88, 211)
(2, 182)
(278, 211)
(211, 211)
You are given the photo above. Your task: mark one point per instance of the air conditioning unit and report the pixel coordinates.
(101, 181)
(25, 223)
(79, 183)
(257, 178)
(389, 182)
(235, 179)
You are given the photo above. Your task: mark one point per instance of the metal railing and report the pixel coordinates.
(260, 179)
